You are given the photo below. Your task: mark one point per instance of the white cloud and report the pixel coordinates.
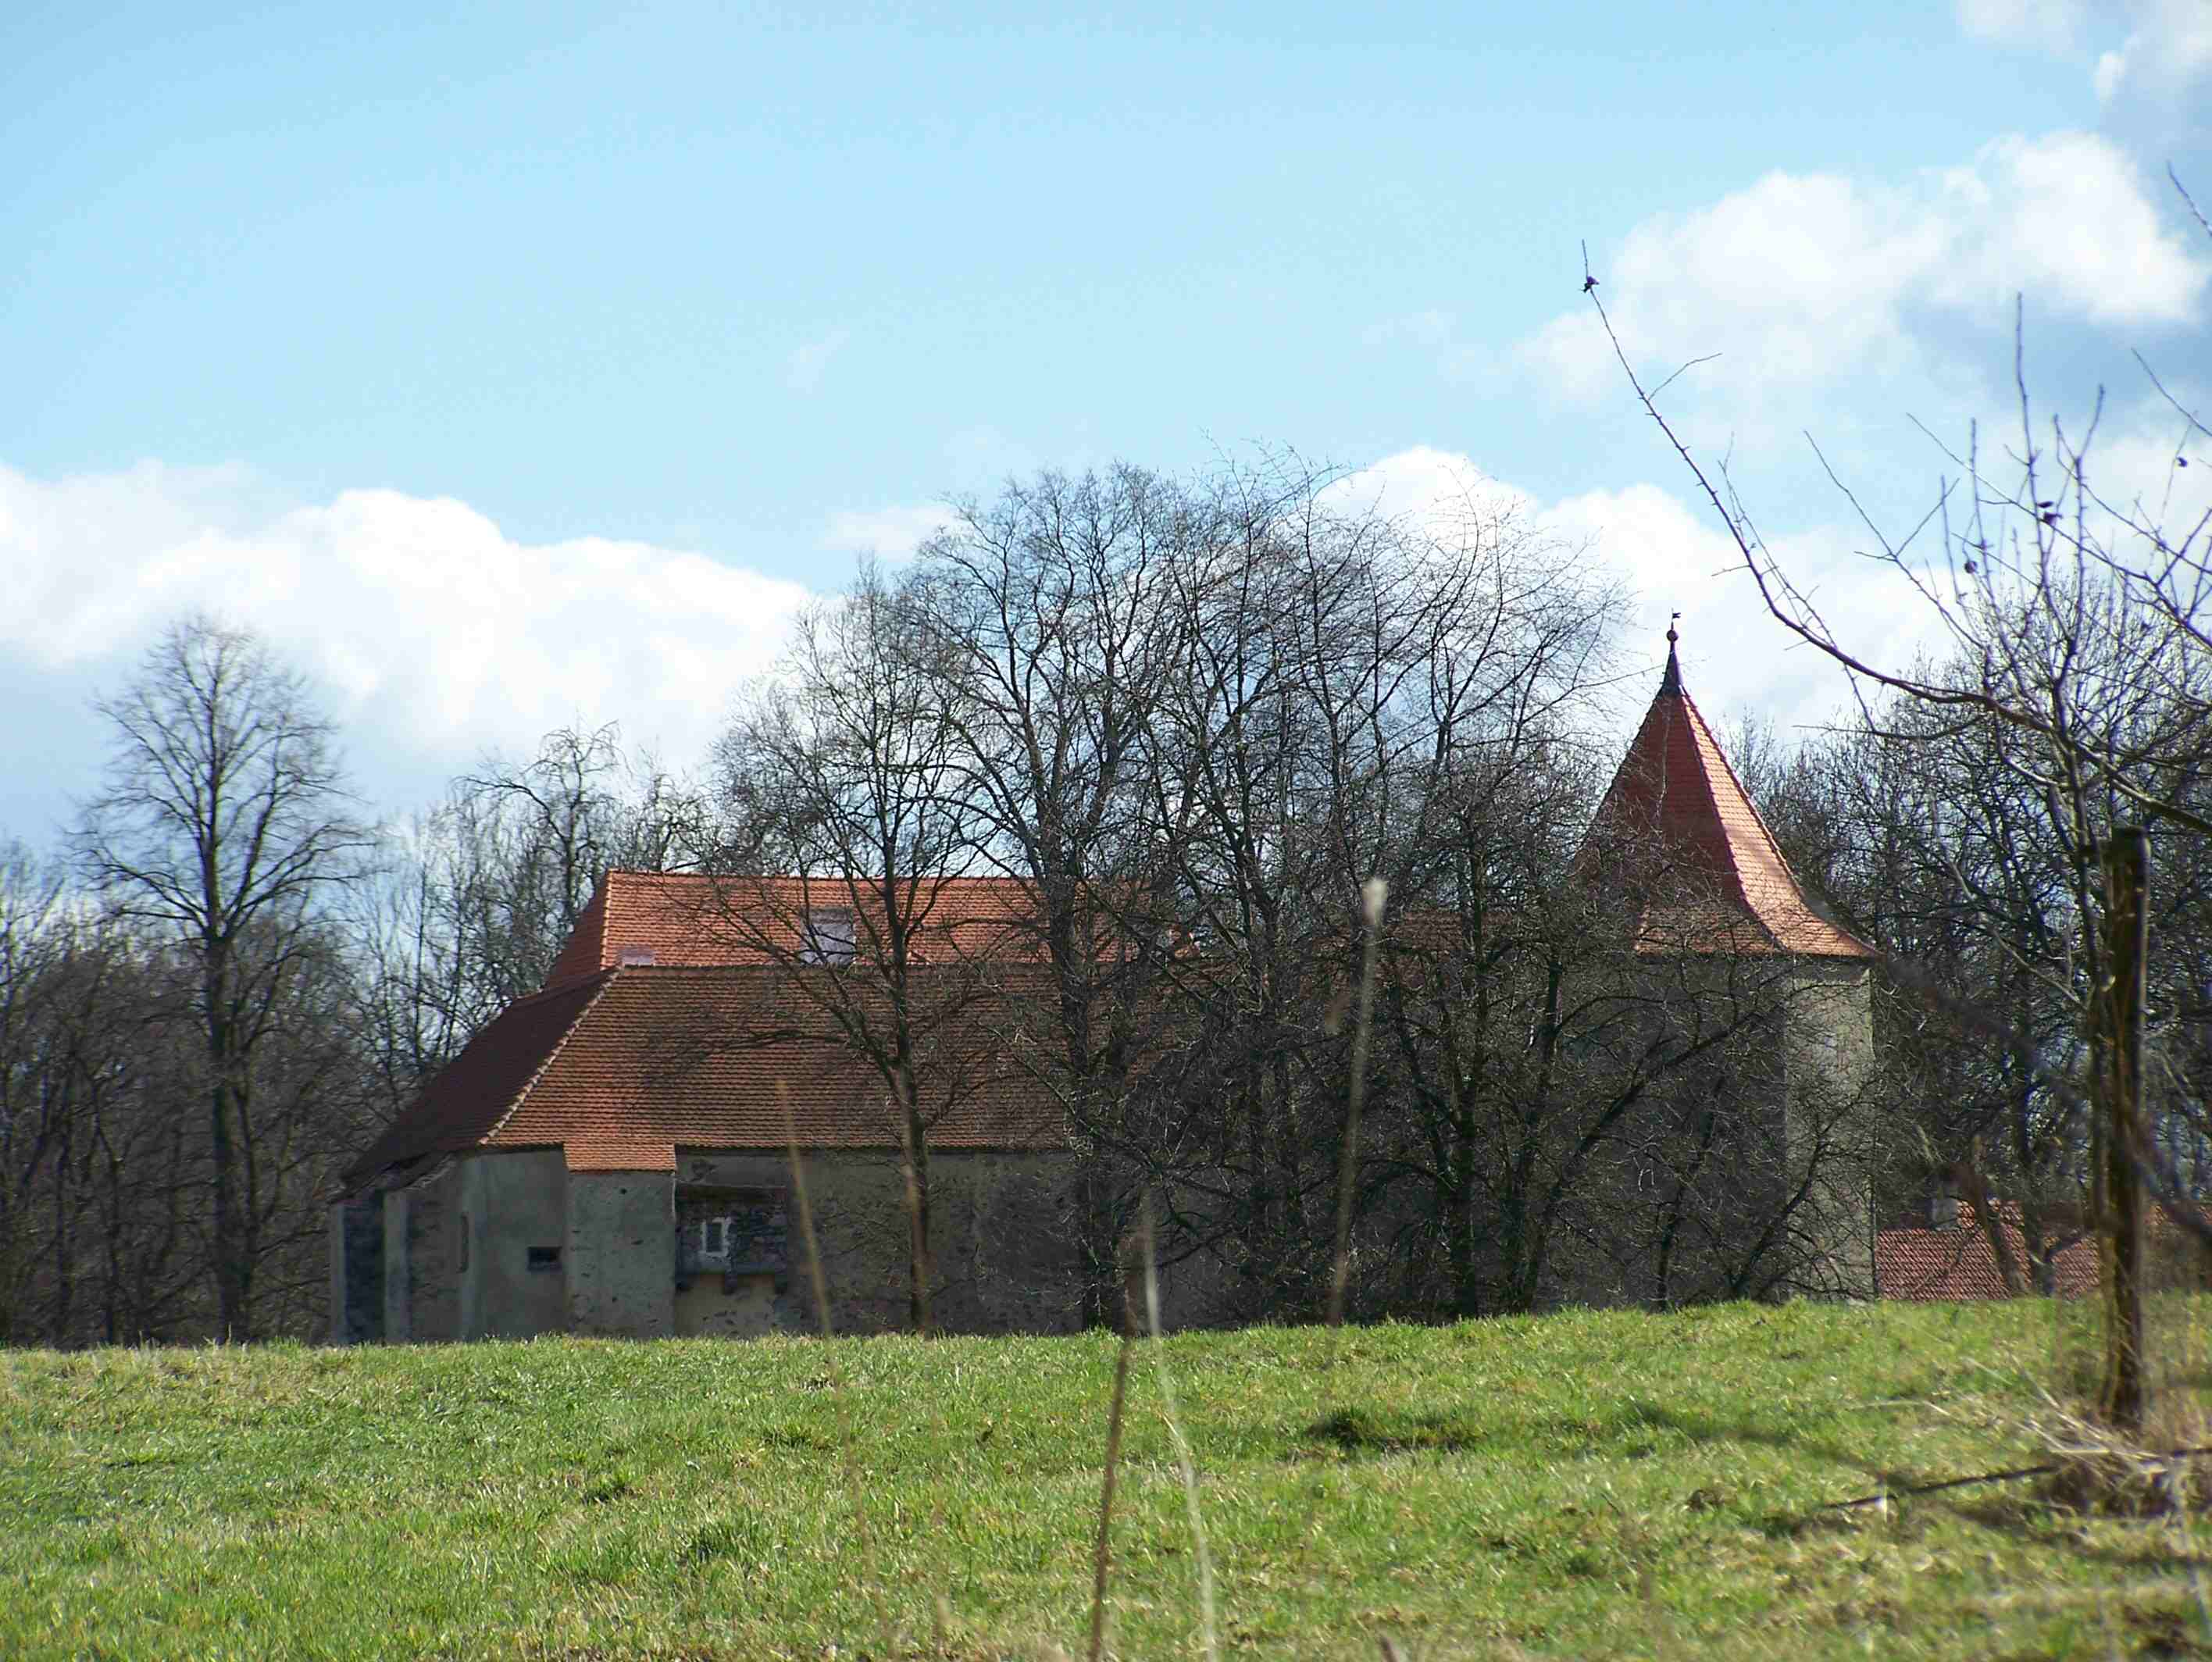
(2167, 55)
(1675, 558)
(2162, 60)
(891, 533)
(1801, 279)
(434, 633)
(804, 369)
(1442, 490)
(2052, 26)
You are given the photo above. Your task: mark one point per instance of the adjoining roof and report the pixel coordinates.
(1925, 1265)
(1675, 794)
(620, 1068)
(694, 919)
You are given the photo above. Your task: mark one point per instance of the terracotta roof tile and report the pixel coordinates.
(619, 1155)
(688, 919)
(1957, 1263)
(475, 1092)
(620, 1068)
(1676, 787)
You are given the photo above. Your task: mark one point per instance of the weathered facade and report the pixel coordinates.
(611, 1155)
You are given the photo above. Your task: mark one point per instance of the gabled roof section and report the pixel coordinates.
(693, 921)
(709, 1058)
(1676, 795)
(468, 1098)
(620, 1068)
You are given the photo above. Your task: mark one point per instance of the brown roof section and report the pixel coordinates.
(471, 1094)
(1926, 1265)
(620, 1069)
(693, 919)
(1675, 791)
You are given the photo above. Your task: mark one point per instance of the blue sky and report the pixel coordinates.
(529, 366)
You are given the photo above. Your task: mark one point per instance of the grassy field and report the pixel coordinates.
(1580, 1484)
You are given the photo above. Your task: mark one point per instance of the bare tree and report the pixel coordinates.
(224, 823)
(475, 898)
(843, 771)
(2080, 621)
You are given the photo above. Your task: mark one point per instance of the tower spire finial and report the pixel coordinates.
(1672, 681)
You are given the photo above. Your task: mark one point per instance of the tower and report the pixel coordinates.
(1707, 894)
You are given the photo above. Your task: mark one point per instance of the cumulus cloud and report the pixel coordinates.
(1801, 279)
(1671, 557)
(2164, 55)
(2167, 53)
(436, 634)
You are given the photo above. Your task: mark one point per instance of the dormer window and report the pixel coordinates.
(827, 935)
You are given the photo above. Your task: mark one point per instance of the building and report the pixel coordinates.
(612, 1154)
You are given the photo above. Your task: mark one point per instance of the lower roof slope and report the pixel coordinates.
(620, 1068)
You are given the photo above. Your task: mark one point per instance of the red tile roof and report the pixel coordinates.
(688, 919)
(469, 1097)
(1955, 1263)
(621, 1068)
(1675, 793)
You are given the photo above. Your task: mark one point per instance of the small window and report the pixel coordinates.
(828, 935)
(544, 1260)
(714, 1239)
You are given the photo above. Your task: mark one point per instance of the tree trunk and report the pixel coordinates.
(914, 1137)
(2119, 1209)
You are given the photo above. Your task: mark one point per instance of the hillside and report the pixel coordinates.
(1587, 1483)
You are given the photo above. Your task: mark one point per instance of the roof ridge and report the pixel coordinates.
(552, 1054)
(1773, 842)
(1735, 874)
(565, 984)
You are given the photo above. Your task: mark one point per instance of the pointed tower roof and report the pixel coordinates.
(1675, 793)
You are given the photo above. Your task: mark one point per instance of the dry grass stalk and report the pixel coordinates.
(820, 1284)
(1102, 1553)
(2095, 1467)
(1372, 894)
(1184, 1463)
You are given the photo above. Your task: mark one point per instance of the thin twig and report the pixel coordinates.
(2016, 1472)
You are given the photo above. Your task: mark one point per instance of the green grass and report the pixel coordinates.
(1586, 1483)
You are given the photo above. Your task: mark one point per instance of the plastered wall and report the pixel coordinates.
(619, 1253)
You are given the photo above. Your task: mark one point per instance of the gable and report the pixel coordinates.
(1676, 801)
(466, 1099)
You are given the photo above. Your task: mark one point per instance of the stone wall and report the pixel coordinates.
(1000, 1241)
(422, 1258)
(619, 1254)
(1829, 1047)
(357, 1270)
(513, 1207)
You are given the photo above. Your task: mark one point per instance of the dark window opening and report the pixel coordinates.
(544, 1259)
